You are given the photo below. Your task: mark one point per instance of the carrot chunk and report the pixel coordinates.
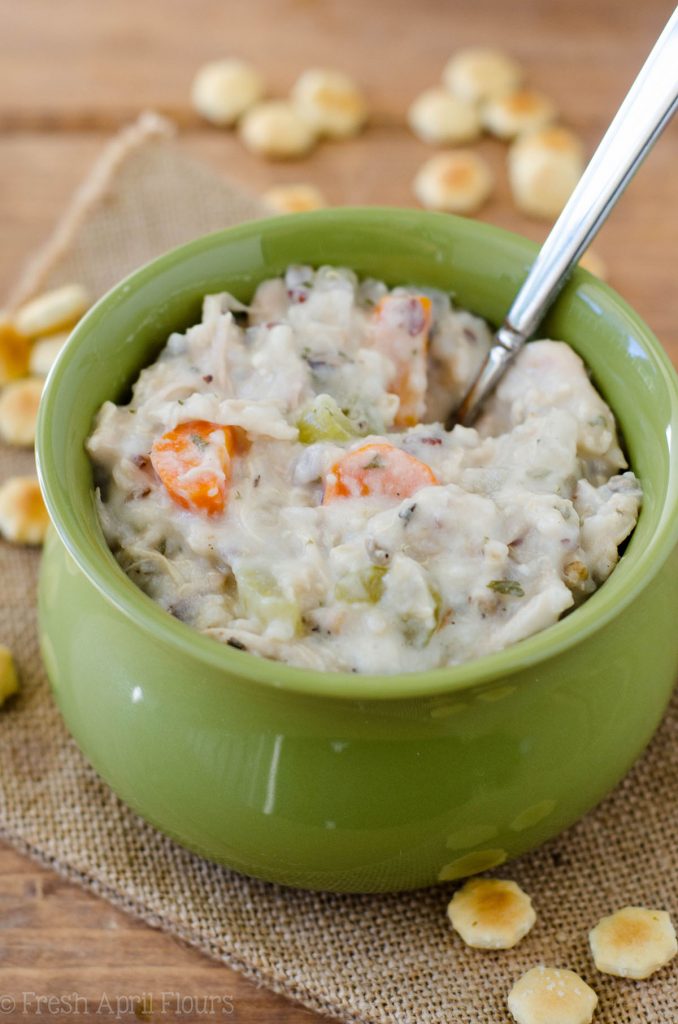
(401, 325)
(379, 469)
(193, 461)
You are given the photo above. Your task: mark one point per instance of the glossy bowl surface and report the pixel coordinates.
(332, 780)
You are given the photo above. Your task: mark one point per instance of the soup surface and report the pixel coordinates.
(281, 480)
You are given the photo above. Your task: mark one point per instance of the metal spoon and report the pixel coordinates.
(647, 109)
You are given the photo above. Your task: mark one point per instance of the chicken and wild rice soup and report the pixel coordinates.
(281, 480)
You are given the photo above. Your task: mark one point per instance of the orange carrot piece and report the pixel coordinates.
(379, 469)
(193, 461)
(401, 325)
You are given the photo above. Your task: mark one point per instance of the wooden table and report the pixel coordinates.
(72, 72)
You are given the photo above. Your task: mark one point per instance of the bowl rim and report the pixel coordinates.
(112, 583)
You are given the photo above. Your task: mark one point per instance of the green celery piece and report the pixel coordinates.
(367, 585)
(323, 420)
(262, 598)
(414, 631)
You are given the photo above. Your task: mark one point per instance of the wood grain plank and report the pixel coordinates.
(57, 940)
(78, 64)
(38, 173)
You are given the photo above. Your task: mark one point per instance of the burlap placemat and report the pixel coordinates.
(358, 958)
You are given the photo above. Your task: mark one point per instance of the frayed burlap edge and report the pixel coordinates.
(147, 127)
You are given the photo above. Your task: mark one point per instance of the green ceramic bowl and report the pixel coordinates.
(336, 781)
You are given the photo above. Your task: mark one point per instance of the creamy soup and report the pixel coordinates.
(282, 482)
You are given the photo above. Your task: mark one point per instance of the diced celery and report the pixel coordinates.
(262, 598)
(373, 581)
(416, 631)
(350, 588)
(367, 585)
(323, 420)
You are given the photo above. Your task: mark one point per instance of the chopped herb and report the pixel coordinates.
(256, 480)
(406, 513)
(511, 587)
(375, 463)
(132, 412)
(199, 441)
(180, 401)
(162, 546)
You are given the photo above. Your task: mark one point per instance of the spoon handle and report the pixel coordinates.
(647, 109)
